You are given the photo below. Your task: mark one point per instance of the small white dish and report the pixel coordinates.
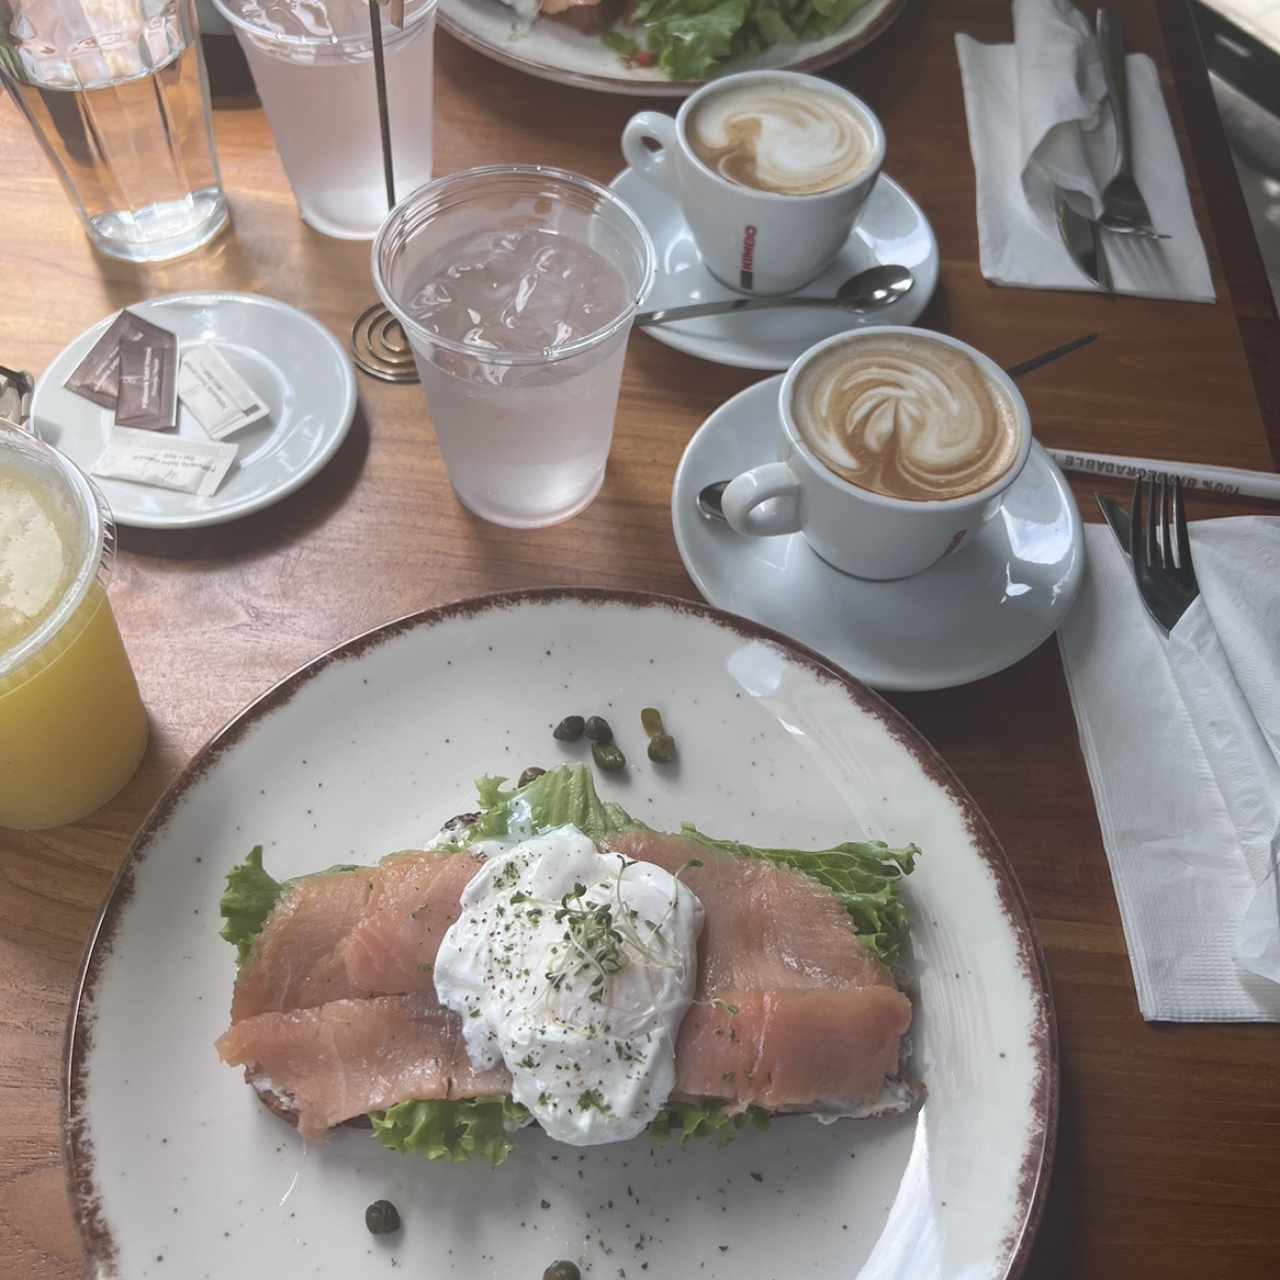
(973, 614)
(891, 229)
(292, 361)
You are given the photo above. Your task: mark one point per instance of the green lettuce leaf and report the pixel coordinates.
(688, 1120)
(558, 797)
(863, 875)
(250, 897)
(691, 37)
(456, 1130)
(485, 1128)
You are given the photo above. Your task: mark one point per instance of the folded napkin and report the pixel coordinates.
(1039, 115)
(1181, 736)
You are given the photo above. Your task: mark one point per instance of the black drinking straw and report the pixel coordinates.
(384, 120)
(378, 341)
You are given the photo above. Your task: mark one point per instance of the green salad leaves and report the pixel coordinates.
(561, 797)
(456, 1130)
(864, 876)
(249, 898)
(687, 38)
(688, 1120)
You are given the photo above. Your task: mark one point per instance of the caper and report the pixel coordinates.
(651, 718)
(529, 774)
(607, 756)
(662, 748)
(569, 729)
(562, 1271)
(598, 729)
(382, 1218)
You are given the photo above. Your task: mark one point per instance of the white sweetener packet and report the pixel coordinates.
(221, 400)
(190, 466)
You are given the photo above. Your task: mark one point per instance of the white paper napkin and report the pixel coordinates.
(1191, 905)
(1039, 114)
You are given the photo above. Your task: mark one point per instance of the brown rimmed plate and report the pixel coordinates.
(176, 1169)
(555, 51)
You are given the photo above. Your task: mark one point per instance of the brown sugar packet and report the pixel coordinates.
(97, 376)
(148, 392)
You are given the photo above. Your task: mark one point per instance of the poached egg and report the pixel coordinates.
(574, 968)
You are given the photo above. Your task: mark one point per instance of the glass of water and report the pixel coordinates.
(117, 96)
(313, 63)
(516, 285)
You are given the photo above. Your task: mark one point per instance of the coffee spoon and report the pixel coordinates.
(869, 290)
(711, 496)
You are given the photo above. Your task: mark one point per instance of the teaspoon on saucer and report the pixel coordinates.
(868, 290)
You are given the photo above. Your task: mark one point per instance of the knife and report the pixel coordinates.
(1083, 240)
(1117, 519)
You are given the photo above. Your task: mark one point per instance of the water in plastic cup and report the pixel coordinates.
(118, 98)
(516, 286)
(72, 726)
(312, 61)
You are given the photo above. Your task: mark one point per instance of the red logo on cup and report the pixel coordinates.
(956, 539)
(747, 270)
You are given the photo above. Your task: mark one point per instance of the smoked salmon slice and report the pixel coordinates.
(344, 1059)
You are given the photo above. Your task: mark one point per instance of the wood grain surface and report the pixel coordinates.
(1169, 1150)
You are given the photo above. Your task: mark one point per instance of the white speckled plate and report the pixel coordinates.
(556, 51)
(291, 360)
(177, 1170)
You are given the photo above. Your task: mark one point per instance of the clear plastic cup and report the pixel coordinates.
(72, 725)
(313, 64)
(525, 433)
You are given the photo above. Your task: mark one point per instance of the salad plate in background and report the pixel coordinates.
(174, 1164)
(674, 45)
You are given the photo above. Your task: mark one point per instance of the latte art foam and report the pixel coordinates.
(780, 138)
(905, 416)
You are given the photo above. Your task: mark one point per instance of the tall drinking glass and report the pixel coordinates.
(516, 286)
(118, 98)
(312, 61)
(72, 726)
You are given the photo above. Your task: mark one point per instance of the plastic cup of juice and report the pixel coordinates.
(72, 725)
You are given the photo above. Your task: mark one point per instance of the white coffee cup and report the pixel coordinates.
(857, 530)
(754, 241)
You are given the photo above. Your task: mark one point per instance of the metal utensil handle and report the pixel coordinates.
(1111, 47)
(725, 307)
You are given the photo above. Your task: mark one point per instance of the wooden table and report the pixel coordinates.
(1168, 1154)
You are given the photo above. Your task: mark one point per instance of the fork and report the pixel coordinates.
(1123, 208)
(1161, 551)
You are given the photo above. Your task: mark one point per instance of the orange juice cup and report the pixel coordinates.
(72, 726)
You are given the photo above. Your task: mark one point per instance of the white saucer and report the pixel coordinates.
(292, 361)
(973, 614)
(892, 230)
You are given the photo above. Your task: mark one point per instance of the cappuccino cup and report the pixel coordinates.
(771, 169)
(894, 446)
